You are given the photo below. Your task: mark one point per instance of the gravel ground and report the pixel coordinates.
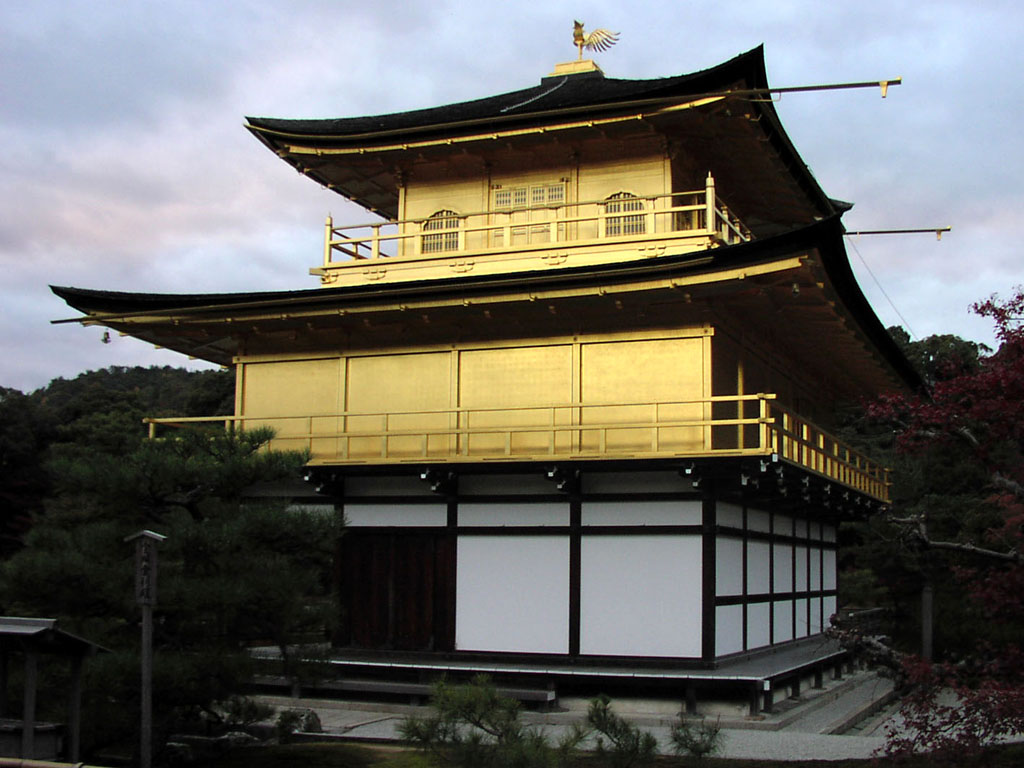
(796, 732)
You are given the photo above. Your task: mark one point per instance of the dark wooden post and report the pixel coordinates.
(3, 681)
(691, 699)
(28, 710)
(75, 709)
(145, 596)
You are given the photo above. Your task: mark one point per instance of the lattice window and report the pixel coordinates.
(443, 227)
(623, 203)
(532, 196)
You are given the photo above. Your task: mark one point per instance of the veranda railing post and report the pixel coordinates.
(710, 223)
(328, 236)
(763, 427)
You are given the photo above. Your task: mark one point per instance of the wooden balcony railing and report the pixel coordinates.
(737, 425)
(696, 215)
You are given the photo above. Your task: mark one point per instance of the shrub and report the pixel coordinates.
(696, 739)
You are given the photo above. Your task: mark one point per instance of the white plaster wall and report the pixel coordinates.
(641, 513)
(783, 576)
(404, 515)
(828, 608)
(641, 595)
(783, 525)
(816, 625)
(512, 514)
(634, 482)
(728, 629)
(802, 627)
(757, 625)
(815, 555)
(783, 621)
(758, 572)
(801, 569)
(828, 569)
(729, 514)
(385, 486)
(506, 485)
(512, 594)
(729, 566)
(758, 520)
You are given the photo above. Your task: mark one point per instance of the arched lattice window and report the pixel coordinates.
(624, 203)
(443, 227)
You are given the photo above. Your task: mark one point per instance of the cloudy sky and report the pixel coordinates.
(126, 167)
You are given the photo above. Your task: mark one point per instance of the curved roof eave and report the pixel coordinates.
(108, 307)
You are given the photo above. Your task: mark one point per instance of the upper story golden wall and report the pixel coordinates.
(567, 174)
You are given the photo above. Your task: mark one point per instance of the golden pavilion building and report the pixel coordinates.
(571, 385)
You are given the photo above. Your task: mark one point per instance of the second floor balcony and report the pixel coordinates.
(529, 228)
(722, 426)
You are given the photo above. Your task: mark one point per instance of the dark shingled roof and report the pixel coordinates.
(735, 133)
(555, 94)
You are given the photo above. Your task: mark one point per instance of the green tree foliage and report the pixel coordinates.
(879, 566)
(233, 572)
(940, 357)
(99, 412)
(25, 433)
(474, 726)
(700, 740)
(620, 743)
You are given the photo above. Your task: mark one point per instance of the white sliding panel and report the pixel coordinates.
(512, 594)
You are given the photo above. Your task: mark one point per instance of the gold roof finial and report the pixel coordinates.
(598, 40)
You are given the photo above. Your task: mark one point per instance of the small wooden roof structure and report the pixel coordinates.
(34, 637)
(42, 636)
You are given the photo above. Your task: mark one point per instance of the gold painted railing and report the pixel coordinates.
(698, 214)
(743, 425)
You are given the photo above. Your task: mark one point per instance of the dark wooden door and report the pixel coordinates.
(397, 590)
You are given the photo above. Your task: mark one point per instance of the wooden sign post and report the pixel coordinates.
(145, 596)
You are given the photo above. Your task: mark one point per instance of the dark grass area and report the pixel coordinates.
(360, 756)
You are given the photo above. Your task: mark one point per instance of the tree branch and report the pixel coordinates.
(1008, 484)
(918, 531)
(1013, 556)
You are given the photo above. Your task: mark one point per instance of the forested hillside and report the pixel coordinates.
(98, 410)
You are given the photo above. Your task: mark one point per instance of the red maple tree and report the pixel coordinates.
(974, 694)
